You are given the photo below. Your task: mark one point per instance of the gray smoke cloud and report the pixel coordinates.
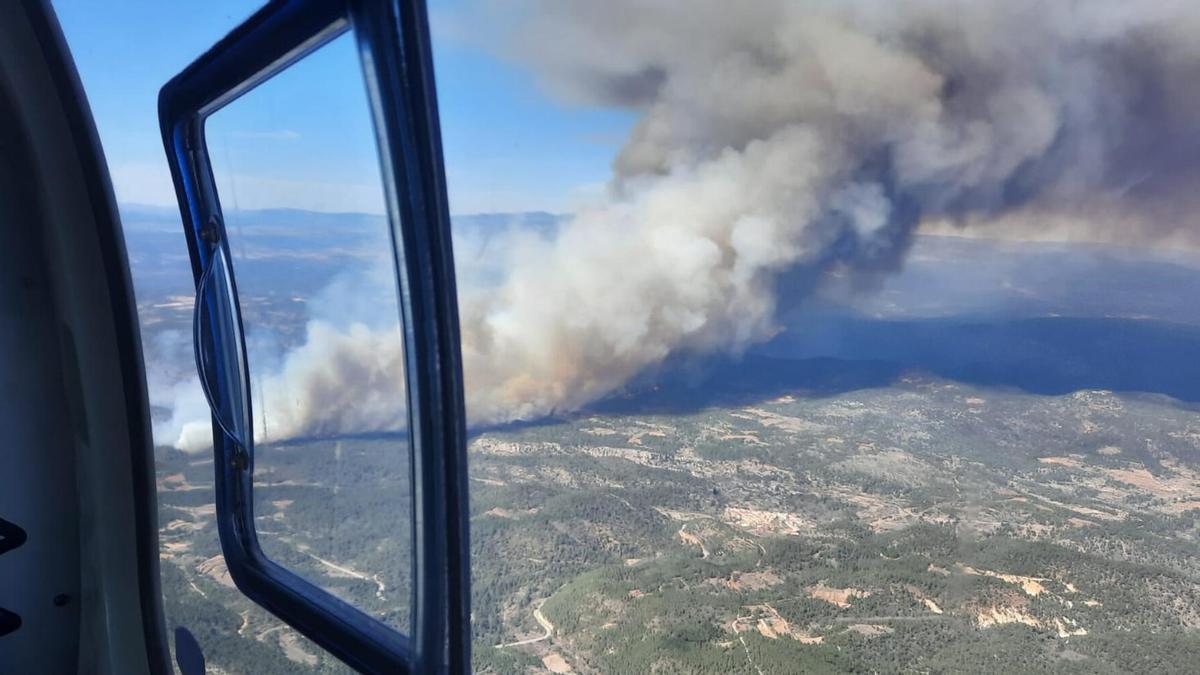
(346, 375)
(784, 139)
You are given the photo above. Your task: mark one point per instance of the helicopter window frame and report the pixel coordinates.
(394, 45)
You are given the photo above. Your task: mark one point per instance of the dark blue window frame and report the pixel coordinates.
(394, 45)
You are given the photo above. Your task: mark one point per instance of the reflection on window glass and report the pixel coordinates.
(316, 282)
(827, 337)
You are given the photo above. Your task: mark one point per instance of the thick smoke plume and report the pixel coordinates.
(787, 139)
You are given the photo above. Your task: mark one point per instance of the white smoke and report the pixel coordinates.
(345, 376)
(776, 136)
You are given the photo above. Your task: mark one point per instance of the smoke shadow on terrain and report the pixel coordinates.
(828, 356)
(1047, 356)
(728, 382)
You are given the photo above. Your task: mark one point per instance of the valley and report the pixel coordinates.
(928, 526)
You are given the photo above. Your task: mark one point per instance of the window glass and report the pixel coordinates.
(297, 171)
(827, 337)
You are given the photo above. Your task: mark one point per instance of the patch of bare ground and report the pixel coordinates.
(176, 547)
(870, 629)
(682, 516)
(641, 457)
(178, 483)
(180, 525)
(767, 621)
(1181, 507)
(893, 465)
(767, 522)
(1173, 488)
(1141, 477)
(1073, 461)
(1032, 586)
(747, 438)
(785, 422)
(688, 460)
(196, 511)
(294, 651)
(1088, 511)
(656, 428)
(556, 475)
(750, 581)
(844, 410)
(926, 600)
(485, 445)
(1098, 400)
(341, 571)
(1005, 608)
(1012, 607)
(508, 514)
(694, 540)
(555, 663)
(262, 636)
(840, 597)
(1035, 531)
(651, 430)
(215, 568)
(600, 431)
(1109, 450)
(987, 617)
(1066, 627)
(736, 545)
(880, 514)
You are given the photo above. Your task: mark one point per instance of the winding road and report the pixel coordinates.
(542, 621)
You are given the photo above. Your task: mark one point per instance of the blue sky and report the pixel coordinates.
(303, 139)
